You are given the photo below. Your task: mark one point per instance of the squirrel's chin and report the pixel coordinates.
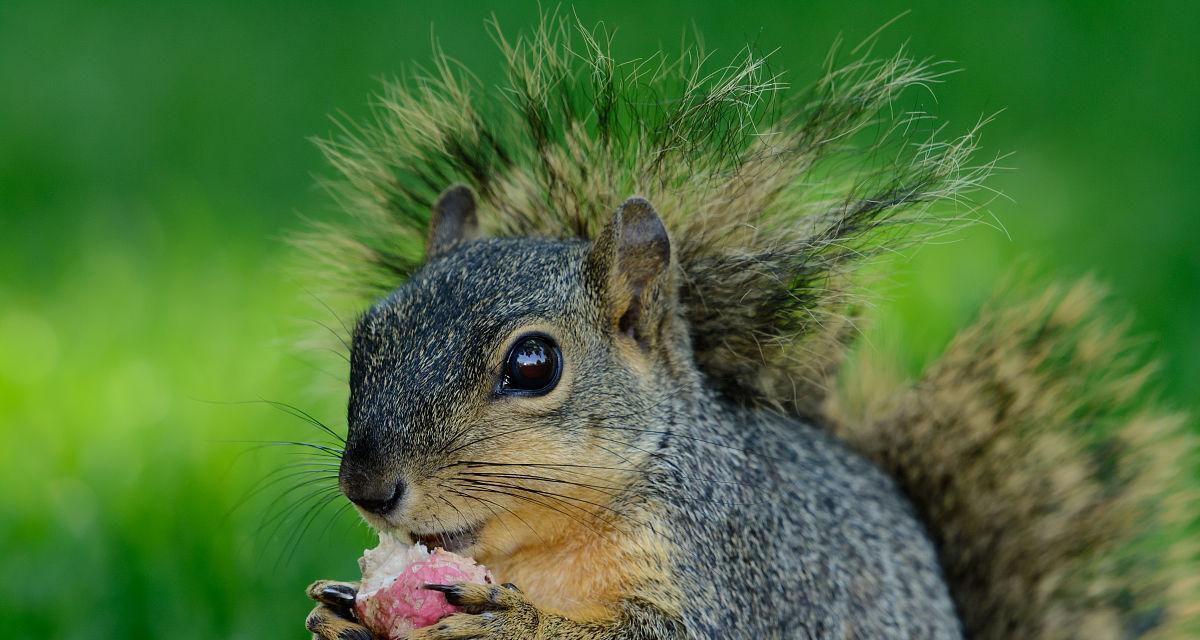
(455, 540)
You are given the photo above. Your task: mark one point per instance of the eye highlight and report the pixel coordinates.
(532, 366)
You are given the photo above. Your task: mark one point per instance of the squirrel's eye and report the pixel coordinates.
(532, 366)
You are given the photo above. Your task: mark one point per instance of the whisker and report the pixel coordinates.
(306, 521)
(607, 490)
(334, 519)
(280, 513)
(283, 515)
(548, 465)
(486, 502)
(558, 498)
(461, 515)
(332, 313)
(335, 334)
(652, 454)
(541, 504)
(305, 416)
(329, 450)
(273, 478)
(292, 410)
(489, 437)
(758, 454)
(550, 494)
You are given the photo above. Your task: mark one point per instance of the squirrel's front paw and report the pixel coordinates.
(333, 618)
(490, 612)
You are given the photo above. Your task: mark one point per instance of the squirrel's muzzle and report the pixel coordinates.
(376, 493)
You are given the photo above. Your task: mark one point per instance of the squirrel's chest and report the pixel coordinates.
(577, 581)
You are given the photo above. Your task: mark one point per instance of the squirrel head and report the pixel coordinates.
(513, 381)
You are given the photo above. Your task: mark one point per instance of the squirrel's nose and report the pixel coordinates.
(377, 502)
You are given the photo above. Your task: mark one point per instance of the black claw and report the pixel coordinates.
(339, 593)
(453, 594)
(355, 634)
(509, 585)
(312, 621)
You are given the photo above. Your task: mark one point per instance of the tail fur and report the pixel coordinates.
(1059, 497)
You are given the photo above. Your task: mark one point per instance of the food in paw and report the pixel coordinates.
(390, 599)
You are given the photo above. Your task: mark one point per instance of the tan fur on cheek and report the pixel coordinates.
(554, 535)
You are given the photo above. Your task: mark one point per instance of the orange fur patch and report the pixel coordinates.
(581, 569)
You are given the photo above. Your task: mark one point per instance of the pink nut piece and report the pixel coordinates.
(390, 599)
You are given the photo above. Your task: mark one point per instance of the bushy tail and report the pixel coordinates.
(1058, 500)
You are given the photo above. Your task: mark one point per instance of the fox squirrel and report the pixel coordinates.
(653, 422)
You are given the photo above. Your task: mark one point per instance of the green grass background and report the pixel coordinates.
(153, 155)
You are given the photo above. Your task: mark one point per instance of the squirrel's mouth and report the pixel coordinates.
(453, 541)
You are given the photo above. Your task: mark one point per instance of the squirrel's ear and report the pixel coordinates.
(629, 266)
(453, 221)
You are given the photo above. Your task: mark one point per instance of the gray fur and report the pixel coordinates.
(778, 531)
(797, 536)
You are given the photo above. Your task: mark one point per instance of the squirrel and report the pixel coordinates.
(649, 414)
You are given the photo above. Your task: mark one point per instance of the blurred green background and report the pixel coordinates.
(153, 156)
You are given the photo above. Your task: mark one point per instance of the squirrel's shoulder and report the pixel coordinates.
(749, 462)
(764, 498)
